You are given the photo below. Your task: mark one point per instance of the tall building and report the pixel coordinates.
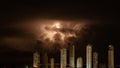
(72, 56)
(63, 60)
(45, 60)
(95, 60)
(89, 56)
(52, 63)
(79, 62)
(102, 65)
(111, 57)
(36, 60)
(26, 66)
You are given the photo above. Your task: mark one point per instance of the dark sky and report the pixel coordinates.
(103, 31)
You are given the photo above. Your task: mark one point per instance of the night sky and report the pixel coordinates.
(17, 42)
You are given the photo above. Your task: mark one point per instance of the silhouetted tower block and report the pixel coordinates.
(72, 56)
(36, 60)
(89, 56)
(26, 66)
(52, 63)
(102, 66)
(63, 58)
(79, 62)
(111, 57)
(95, 60)
(45, 60)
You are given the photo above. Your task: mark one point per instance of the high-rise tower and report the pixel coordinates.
(45, 60)
(111, 57)
(52, 63)
(79, 62)
(36, 60)
(63, 60)
(95, 60)
(89, 56)
(72, 56)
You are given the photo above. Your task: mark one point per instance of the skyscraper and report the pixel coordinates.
(95, 60)
(111, 57)
(102, 65)
(89, 56)
(63, 60)
(79, 62)
(52, 63)
(45, 60)
(36, 60)
(72, 56)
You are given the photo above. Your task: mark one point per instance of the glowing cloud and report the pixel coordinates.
(58, 31)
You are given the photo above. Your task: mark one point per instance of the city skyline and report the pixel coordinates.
(78, 24)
